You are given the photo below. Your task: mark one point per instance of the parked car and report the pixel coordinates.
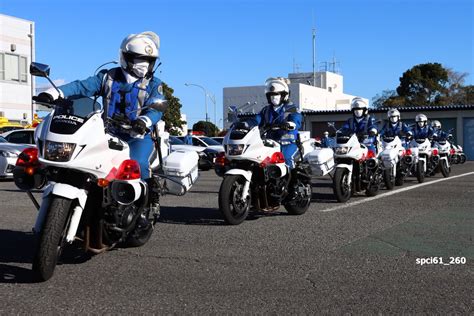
(20, 136)
(206, 142)
(8, 155)
(206, 156)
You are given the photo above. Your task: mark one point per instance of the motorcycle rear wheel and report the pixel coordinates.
(231, 205)
(341, 187)
(300, 205)
(52, 239)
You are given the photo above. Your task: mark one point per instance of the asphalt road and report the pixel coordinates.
(358, 257)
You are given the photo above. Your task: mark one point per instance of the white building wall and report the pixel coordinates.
(16, 39)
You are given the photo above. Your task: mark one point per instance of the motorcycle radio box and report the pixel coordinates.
(321, 161)
(181, 170)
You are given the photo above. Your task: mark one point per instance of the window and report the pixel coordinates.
(13, 67)
(19, 138)
(197, 142)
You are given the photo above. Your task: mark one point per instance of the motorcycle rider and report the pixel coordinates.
(125, 90)
(438, 132)
(394, 126)
(422, 129)
(277, 112)
(361, 123)
(325, 141)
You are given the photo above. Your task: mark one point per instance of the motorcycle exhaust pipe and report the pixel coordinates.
(126, 192)
(372, 163)
(276, 171)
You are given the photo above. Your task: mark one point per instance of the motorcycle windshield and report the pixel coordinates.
(70, 114)
(420, 140)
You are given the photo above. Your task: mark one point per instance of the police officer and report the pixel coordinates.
(130, 90)
(361, 123)
(280, 112)
(422, 129)
(394, 126)
(325, 141)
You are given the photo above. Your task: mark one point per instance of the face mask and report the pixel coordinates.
(358, 112)
(140, 68)
(275, 100)
(394, 119)
(421, 124)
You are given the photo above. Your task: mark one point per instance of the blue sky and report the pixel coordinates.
(220, 44)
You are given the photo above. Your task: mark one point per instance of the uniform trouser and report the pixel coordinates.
(289, 152)
(141, 150)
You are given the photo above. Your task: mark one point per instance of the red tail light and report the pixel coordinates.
(221, 160)
(129, 170)
(276, 158)
(371, 154)
(408, 152)
(435, 151)
(452, 151)
(28, 158)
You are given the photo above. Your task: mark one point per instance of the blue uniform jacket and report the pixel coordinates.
(360, 128)
(399, 129)
(424, 132)
(92, 86)
(268, 115)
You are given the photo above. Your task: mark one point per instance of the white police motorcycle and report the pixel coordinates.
(93, 192)
(256, 176)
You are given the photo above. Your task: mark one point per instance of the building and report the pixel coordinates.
(16, 53)
(460, 117)
(326, 95)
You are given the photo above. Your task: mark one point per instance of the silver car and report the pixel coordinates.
(8, 155)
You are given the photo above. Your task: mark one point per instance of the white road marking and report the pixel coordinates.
(392, 193)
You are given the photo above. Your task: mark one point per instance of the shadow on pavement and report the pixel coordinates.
(190, 215)
(18, 247)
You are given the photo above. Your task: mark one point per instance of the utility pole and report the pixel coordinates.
(314, 57)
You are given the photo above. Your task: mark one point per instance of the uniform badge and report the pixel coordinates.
(149, 50)
(160, 89)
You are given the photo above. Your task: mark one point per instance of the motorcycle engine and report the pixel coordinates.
(276, 190)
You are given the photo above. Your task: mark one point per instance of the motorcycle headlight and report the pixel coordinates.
(235, 150)
(341, 150)
(58, 151)
(8, 154)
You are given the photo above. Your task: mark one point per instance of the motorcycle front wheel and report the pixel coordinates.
(233, 207)
(342, 187)
(443, 165)
(388, 178)
(420, 174)
(52, 238)
(301, 203)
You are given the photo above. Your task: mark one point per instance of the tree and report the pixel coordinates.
(424, 84)
(207, 128)
(379, 101)
(172, 115)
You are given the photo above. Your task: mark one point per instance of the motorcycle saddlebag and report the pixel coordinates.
(181, 171)
(321, 161)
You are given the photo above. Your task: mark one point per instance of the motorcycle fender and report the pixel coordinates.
(345, 166)
(69, 192)
(445, 158)
(239, 172)
(244, 173)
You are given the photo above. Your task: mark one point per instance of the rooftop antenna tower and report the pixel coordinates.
(314, 53)
(334, 65)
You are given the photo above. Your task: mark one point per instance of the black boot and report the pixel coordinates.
(154, 192)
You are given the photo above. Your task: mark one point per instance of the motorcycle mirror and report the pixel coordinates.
(331, 124)
(39, 70)
(42, 70)
(159, 104)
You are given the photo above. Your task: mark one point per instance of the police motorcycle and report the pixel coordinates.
(256, 176)
(93, 192)
(357, 165)
(457, 155)
(444, 151)
(425, 159)
(395, 166)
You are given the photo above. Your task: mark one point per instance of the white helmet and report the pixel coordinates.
(359, 107)
(421, 120)
(277, 91)
(436, 124)
(326, 133)
(139, 52)
(393, 115)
